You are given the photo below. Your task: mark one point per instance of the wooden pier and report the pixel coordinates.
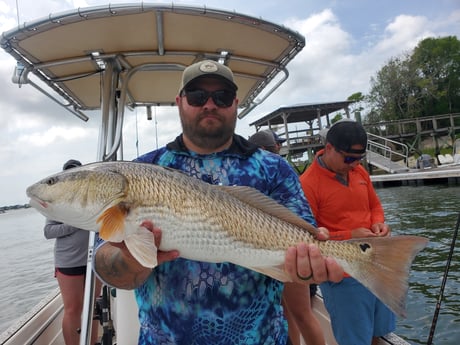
(441, 129)
(447, 175)
(302, 125)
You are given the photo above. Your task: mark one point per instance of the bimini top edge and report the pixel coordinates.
(135, 53)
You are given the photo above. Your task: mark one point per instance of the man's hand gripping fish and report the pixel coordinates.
(211, 223)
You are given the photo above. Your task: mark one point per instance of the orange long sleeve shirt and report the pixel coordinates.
(338, 207)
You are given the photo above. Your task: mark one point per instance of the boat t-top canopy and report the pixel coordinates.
(134, 53)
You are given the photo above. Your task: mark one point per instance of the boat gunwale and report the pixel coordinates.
(15, 329)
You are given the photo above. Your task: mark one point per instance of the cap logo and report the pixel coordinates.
(208, 67)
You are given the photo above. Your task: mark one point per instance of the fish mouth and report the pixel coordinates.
(38, 202)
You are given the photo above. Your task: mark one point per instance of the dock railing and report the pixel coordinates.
(387, 151)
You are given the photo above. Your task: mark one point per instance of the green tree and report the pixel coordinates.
(393, 94)
(423, 83)
(438, 66)
(356, 107)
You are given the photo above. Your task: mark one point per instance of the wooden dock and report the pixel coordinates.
(448, 174)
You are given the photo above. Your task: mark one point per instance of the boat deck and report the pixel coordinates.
(42, 326)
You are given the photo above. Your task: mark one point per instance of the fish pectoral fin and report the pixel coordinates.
(112, 221)
(275, 272)
(141, 245)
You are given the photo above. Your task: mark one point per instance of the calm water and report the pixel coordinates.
(27, 261)
(429, 211)
(26, 269)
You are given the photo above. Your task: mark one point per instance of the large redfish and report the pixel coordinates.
(211, 223)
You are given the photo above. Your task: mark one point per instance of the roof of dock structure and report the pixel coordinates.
(300, 113)
(299, 141)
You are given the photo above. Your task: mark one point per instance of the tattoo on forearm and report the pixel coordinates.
(116, 271)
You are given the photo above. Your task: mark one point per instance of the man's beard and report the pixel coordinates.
(205, 136)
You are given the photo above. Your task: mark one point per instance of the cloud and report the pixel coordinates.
(37, 136)
(403, 34)
(319, 65)
(330, 68)
(78, 3)
(149, 134)
(7, 19)
(448, 25)
(52, 135)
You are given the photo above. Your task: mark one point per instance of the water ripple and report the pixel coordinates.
(429, 211)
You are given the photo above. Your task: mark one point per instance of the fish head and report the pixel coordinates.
(78, 196)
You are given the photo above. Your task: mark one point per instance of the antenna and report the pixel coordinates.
(137, 136)
(17, 10)
(156, 128)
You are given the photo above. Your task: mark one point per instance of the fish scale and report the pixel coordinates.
(201, 238)
(234, 218)
(211, 223)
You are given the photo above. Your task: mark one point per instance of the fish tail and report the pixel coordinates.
(386, 275)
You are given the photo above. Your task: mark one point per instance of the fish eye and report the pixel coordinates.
(51, 181)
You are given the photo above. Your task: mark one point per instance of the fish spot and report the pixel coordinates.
(364, 246)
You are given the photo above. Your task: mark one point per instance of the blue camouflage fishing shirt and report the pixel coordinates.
(191, 302)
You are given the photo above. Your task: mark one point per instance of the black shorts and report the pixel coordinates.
(71, 271)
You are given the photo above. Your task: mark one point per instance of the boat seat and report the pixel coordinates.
(457, 158)
(445, 159)
(449, 158)
(442, 159)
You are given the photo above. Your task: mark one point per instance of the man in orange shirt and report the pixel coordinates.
(344, 201)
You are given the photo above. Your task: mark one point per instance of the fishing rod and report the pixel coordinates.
(443, 284)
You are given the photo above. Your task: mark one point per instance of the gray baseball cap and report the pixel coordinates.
(207, 68)
(263, 139)
(71, 163)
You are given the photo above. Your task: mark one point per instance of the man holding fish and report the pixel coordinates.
(190, 302)
(208, 228)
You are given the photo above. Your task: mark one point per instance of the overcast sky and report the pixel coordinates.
(347, 42)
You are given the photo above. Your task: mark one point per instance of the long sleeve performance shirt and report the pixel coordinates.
(338, 207)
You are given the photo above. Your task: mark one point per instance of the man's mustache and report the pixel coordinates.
(208, 113)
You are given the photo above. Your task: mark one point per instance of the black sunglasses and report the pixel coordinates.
(350, 159)
(198, 98)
